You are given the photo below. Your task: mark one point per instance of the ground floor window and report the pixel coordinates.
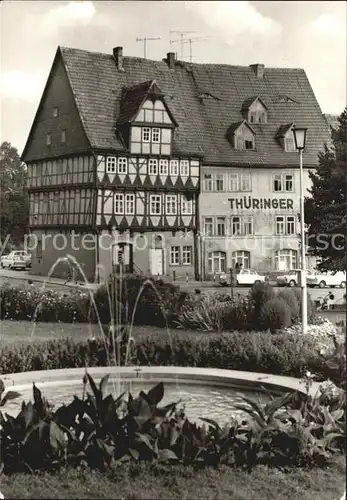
(285, 260)
(241, 257)
(216, 262)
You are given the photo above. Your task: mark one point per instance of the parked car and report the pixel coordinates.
(327, 278)
(245, 277)
(17, 259)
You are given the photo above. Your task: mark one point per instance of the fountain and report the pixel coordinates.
(206, 392)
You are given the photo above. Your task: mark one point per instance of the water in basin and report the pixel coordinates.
(199, 400)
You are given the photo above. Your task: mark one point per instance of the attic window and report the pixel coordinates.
(55, 112)
(257, 117)
(289, 144)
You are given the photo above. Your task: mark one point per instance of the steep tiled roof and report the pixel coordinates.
(202, 123)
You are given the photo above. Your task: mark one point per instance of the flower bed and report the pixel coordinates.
(99, 431)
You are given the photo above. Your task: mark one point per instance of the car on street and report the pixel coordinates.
(17, 259)
(245, 277)
(327, 279)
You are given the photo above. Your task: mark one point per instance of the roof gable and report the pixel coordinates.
(249, 102)
(284, 129)
(236, 127)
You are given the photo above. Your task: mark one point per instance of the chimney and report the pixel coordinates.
(170, 59)
(118, 57)
(258, 70)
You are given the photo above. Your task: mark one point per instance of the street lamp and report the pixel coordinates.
(300, 141)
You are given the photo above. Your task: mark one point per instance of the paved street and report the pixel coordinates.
(16, 277)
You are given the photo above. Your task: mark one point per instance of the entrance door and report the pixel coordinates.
(156, 261)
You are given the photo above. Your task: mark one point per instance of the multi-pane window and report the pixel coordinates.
(289, 144)
(234, 182)
(219, 182)
(174, 255)
(247, 225)
(163, 167)
(285, 260)
(280, 224)
(245, 182)
(130, 204)
(184, 166)
(111, 164)
(122, 165)
(289, 183)
(173, 167)
(186, 205)
(208, 182)
(119, 203)
(208, 229)
(153, 167)
(171, 204)
(146, 134)
(48, 139)
(220, 225)
(155, 204)
(155, 135)
(241, 226)
(290, 224)
(241, 257)
(285, 224)
(63, 136)
(150, 140)
(241, 143)
(186, 255)
(283, 182)
(236, 226)
(216, 262)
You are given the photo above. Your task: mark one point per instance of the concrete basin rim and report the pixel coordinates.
(169, 374)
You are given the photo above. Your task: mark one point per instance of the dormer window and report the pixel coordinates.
(254, 110)
(242, 136)
(286, 138)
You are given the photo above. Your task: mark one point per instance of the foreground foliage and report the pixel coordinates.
(98, 431)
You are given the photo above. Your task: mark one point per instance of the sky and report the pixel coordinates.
(294, 34)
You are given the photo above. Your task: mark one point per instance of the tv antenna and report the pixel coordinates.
(144, 40)
(181, 33)
(190, 41)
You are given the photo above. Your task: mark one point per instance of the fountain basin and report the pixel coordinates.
(206, 392)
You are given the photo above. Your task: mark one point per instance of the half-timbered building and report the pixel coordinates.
(171, 168)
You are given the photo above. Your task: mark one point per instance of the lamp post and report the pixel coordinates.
(300, 141)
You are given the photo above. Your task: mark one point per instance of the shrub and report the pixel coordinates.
(275, 314)
(260, 294)
(288, 295)
(157, 303)
(207, 313)
(311, 310)
(278, 354)
(29, 303)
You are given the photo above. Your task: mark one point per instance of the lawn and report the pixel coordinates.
(147, 481)
(26, 331)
